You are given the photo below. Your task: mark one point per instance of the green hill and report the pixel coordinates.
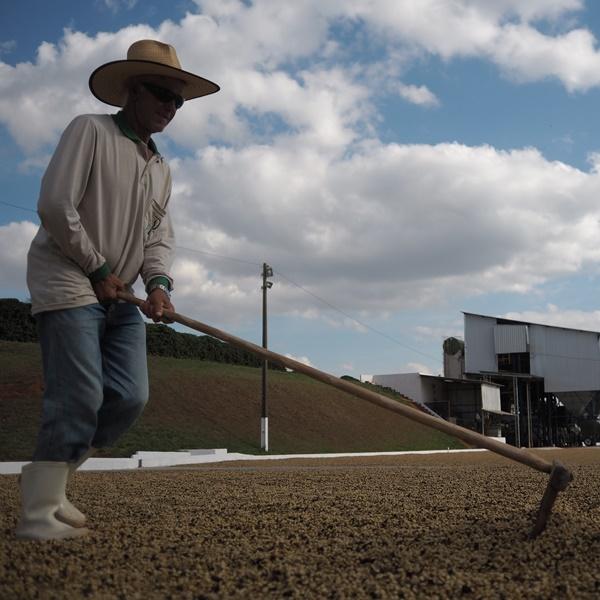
(201, 404)
(17, 325)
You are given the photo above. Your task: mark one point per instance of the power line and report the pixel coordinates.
(372, 329)
(19, 207)
(300, 287)
(195, 250)
(241, 260)
(326, 302)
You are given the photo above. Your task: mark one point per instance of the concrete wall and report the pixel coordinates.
(454, 365)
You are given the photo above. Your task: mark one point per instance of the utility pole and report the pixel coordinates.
(264, 420)
(517, 412)
(529, 424)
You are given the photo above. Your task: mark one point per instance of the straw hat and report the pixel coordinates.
(145, 57)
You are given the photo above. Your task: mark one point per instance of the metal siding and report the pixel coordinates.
(510, 338)
(568, 360)
(479, 344)
(537, 350)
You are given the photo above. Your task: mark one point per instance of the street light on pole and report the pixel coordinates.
(264, 419)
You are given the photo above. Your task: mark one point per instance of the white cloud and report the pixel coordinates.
(35, 164)
(426, 332)
(503, 32)
(14, 245)
(284, 166)
(418, 95)
(370, 232)
(38, 99)
(7, 46)
(560, 317)
(528, 55)
(117, 5)
(256, 52)
(209, 297)
(301, 359)
(415, 367)
(242, 54)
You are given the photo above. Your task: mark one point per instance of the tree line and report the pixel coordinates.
(17, 325)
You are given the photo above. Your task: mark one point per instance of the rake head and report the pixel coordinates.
(560, 477)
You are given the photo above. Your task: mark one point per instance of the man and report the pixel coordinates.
(103, 208)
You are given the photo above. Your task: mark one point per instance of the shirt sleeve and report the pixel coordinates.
(159, 252)
(63, 186)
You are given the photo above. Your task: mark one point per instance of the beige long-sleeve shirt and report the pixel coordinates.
(103, 207)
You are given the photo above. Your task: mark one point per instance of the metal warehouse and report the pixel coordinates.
(526, 383)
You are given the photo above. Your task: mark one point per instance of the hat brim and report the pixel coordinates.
(109, 81)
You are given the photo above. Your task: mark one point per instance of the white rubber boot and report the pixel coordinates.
(42, 490)
(67, 513)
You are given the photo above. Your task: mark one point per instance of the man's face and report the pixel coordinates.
(155, 104)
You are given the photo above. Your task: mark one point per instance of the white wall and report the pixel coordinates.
(490, 397)
(409, 384)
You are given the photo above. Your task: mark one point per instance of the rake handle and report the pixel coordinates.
(466, 435)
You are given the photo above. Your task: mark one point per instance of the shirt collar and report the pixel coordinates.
(121, 121)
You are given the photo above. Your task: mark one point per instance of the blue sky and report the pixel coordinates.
(396, 162)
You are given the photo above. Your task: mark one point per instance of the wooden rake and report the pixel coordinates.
(560, 476)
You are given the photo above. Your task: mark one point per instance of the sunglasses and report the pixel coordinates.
(164, 95)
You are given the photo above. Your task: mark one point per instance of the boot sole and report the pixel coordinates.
(75, 533)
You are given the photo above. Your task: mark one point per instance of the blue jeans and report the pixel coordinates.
(95, 376)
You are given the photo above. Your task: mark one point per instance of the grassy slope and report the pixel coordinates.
(196, 404)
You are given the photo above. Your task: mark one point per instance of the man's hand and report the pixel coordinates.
(155, 304)
(106, 289)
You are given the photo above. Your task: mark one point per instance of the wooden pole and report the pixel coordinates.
(472, 438)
